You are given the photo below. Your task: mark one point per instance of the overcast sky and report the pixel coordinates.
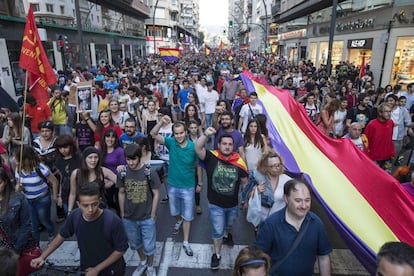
(213, 12)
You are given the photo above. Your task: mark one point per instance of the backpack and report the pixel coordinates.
(108, 219)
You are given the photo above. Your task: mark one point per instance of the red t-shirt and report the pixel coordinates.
(97, 136)
(379, 136)
(39, 113)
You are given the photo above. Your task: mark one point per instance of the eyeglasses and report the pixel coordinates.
(276, 165)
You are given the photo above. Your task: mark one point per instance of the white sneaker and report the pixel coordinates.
(140, 269)
(151, 272)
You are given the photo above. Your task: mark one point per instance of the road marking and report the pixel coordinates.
(171, 254)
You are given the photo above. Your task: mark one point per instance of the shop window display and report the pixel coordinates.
(403, 65)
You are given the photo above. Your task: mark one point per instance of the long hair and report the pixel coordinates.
(84, 171)
(30, 160)
(7, 191)
(17, 124)
(65, 140)
(99, 125)
(109, 133)
(186, 118)
(257, 138)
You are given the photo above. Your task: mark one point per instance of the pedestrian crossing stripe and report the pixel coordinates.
(171, 254)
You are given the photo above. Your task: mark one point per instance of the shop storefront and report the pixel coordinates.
(359, 48)
(318, 52)
(403, 65)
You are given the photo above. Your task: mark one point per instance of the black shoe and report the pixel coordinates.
(164, 200)
(228, 240)
(215, 262)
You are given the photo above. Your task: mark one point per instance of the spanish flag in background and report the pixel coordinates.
(170, 54)
(34, 60)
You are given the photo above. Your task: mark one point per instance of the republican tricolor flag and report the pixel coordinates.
(170, 54)
(367, 206)
(34, 60)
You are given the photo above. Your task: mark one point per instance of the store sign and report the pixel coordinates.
(359, 24)
(290, 35)
(360, 43)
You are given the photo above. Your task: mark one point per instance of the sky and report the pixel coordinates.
(213, 12)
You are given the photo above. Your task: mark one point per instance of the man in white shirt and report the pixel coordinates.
(249, 111)
(208, 101)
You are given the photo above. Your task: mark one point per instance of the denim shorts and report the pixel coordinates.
(141, 233)
(220, 219)
(182, 202)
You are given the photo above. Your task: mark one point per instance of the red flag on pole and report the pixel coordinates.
(33, 59)
(220, 47)
(362, 69)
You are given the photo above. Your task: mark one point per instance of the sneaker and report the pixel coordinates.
(215, 262)
(228, 240)
(140, 269)
(177, 226)
(164, 200)
(151, 272)
(188, 250)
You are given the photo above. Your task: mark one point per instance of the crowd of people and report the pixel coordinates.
(155, 125)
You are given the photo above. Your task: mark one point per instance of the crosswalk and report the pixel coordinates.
(169, 254)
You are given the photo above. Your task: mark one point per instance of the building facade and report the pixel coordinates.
(379, 31)
(175, 24)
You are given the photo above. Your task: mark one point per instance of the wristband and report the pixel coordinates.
(200, 185)
(87, 119)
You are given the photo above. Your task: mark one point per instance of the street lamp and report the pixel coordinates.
(153, 26)
(265, 8)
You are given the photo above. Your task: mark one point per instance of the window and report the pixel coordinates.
(49, 8)
(35, 7)
(62, 9)
(97, 18)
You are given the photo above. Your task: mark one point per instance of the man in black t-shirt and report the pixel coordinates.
(101, 236)
(226, 171)
(361, 113)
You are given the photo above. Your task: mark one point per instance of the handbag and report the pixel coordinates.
(26, 256)
(254, 211)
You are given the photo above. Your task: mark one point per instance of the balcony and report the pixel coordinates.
(133, 8)
(276, 8)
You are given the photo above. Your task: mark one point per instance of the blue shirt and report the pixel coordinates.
(276, 236)
(125, 140)
(183, 96)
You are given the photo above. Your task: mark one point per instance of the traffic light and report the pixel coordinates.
(230, 24)
(62, 43)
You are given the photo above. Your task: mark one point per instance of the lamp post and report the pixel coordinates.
(265, 29)
(331, 37)
(153, 26)
(80, 34)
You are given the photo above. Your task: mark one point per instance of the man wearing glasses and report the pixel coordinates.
(379, 134)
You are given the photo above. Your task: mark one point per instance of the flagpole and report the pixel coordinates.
(26, 81)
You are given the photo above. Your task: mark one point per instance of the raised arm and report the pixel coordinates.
(154, 132)
(199, 146)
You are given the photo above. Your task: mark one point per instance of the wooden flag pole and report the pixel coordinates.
(23, 121)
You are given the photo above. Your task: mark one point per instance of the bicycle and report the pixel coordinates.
(49, 268)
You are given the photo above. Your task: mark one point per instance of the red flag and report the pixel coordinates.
(230, 51)
(362, 69)
(33, 59)
(220, 47)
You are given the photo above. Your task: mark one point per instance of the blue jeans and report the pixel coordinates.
(220, 219)
(40, 213)
(141, 233)
(181, 201)
(62, 129)
(209, 120)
